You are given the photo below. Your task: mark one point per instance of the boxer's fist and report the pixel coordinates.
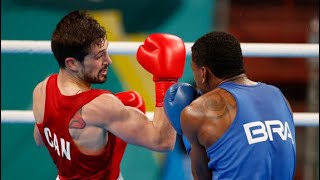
(164, 56)
(133, 99)
(176, 99)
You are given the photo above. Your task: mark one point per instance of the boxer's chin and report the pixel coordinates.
(102, 78)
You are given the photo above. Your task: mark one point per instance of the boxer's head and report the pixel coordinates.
(79, 42)
(216, 54)
(74, 35)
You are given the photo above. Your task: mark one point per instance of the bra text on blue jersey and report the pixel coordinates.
(53, 142)
(259, 131)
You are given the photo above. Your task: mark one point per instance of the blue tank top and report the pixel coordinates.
(260, 142)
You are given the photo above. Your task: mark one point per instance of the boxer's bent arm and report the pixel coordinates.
(132, 126)
(199, 163)
(37, 136)
(190, 125)
(37, 109)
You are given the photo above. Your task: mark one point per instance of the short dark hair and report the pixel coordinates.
(74, 35)
(220, 52)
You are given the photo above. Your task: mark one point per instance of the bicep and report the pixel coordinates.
(131, 125)
(128, 123)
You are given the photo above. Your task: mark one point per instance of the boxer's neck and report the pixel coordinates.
(71, 84)
(240, 79)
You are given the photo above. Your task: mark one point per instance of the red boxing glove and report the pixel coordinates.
(164, 56)
(133, 99)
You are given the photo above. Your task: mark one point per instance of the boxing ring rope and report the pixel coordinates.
(26, 116)
(289, 50)
(282, 50)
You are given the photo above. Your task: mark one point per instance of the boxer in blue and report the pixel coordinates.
(237, 129)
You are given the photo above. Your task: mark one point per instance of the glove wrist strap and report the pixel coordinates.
(161, 87)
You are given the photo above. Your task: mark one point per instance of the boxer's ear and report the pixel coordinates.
(71, 63)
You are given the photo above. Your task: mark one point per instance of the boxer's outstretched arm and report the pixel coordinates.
(130, 124)
(163, 55)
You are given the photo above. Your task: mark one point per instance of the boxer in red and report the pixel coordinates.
(86, 130)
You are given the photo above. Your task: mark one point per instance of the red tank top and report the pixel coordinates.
(54, 129)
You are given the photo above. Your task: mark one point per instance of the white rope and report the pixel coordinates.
(296, 50)
(26, 116)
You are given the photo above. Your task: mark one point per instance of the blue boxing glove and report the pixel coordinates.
(177, 97)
